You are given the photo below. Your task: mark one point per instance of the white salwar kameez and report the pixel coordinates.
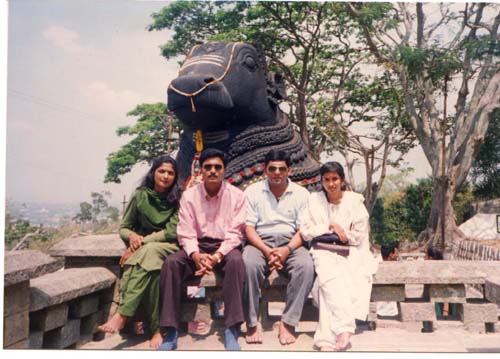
(343, 285)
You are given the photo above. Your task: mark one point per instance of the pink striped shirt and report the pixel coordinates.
(222, 217)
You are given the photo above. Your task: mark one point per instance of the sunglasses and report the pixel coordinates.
(274, 168)
(208, 167)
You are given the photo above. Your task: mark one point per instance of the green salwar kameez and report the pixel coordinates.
(150, 215)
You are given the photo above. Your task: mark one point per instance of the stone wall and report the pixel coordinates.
(475, 250)
(48, 307)
(491, 206)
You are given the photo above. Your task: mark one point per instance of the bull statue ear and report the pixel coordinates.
(276, 88)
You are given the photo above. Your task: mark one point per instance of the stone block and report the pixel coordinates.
(447, 293)
(447, 325)
(90, 323)
(23, 344)
(63, 286)
(414, 327)
(475, 328)
(196, 311)
(388, 293)
(475, 291)
(63, 337)
(478, 312)
(23, 265)
(83, 306)
(417, 311)
(36, 339)
(414, 291)
(110, 263)
(15, 328)
(49, 318)
(16, 298)
(492, 289)
(104, 245)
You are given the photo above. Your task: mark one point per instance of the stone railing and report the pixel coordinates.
(66, 306)
(417, 285)
(46, 307)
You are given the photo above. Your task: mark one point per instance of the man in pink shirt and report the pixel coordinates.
(210, 231)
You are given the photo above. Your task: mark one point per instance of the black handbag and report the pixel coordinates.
(331, 242)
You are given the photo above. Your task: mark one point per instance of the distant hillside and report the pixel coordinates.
(48, 214)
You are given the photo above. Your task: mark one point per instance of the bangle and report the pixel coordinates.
(289, 248)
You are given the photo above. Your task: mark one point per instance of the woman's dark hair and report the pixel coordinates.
(174, 193)
(336, 167)
(278, 155)
(434, 253)
(211, 153)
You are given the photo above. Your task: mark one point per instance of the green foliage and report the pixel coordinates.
(402, 215)
(485, 172)
(150, 138)
(435, 63)
(17, 229)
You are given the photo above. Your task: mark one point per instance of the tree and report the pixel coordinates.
(85, 214)
(485, 173)
(98, 211)
(155, 133)
(310, 43)
(430, 66)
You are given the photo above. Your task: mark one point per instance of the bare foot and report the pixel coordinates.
(155, 341)
(253, 335)
(113, 325)
(326, 348)
(343, 342)
(286, 334)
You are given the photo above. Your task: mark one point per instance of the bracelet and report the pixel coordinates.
(289, 248)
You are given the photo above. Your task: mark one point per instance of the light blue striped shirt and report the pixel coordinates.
(272, 217)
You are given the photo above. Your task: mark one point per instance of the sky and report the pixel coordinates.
(75, 68)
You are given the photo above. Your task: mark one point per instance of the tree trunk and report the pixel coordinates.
(433, 234)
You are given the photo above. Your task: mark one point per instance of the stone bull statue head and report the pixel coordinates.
(227, 99)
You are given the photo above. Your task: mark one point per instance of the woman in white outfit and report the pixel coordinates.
(343, 283)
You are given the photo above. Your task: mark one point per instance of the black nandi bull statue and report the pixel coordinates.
(226, 99)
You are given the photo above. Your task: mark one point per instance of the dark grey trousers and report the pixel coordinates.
(298, 266)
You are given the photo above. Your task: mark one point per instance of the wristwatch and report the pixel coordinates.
(289, 248)
(219, 257)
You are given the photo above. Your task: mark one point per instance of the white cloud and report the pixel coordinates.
(106, 97)
(64, 38)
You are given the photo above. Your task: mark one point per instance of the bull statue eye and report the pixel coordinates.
(250, 63)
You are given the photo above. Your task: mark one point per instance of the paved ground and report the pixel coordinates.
(450, 339)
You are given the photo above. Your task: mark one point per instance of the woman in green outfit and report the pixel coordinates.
(149, 227)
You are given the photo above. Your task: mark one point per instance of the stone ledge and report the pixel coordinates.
(106, 245)
(24, 265)
(435, 272)
(492, 289)
(63, 286)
